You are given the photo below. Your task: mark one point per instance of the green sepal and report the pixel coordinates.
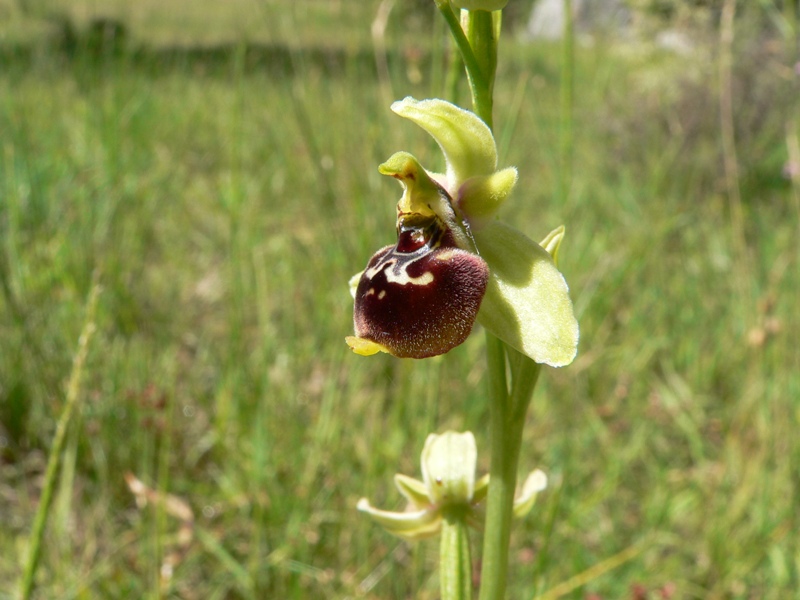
(466, 141)
(527, 303)
(523, 502)
(415, 525)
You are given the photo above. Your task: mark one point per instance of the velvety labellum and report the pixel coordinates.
(419, 298)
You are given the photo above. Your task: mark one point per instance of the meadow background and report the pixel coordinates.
(213, 167)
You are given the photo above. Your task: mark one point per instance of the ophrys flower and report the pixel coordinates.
(448, 482)
(454, 262)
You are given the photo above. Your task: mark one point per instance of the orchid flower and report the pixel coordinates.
(448, 481)
(453, 262)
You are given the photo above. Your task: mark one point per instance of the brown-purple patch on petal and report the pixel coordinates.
(420, 297)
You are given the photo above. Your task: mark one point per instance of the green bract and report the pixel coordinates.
(448, 481)
(454, 262)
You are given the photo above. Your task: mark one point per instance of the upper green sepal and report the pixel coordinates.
(465, 140)
(527, 303)
(470, 152)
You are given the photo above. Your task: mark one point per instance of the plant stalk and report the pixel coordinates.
(478, 47)
(455, 563)
(483, 41)
(480, 60)
(507, 421)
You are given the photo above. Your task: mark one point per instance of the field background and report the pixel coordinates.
(213, 166)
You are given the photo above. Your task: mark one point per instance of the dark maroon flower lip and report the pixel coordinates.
(420, 297)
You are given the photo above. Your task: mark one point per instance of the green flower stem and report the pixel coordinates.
(54, 459)
(482, 40)
(479, 24)
(507, 420)
(455, 566)
(455, 563)
(478, 49)
(496, 362)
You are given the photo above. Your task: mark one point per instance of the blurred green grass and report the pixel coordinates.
(224, 192)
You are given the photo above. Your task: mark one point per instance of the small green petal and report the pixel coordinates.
(465, 140)
(527, 302)
(534, 483)
(479, 197)
(448, 467)
(413, 490)
(412, 526)
(552, 242)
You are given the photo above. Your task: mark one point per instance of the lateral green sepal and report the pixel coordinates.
(527, 303)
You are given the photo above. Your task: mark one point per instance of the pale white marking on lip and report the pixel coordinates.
(402, 278)
(398, 273)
